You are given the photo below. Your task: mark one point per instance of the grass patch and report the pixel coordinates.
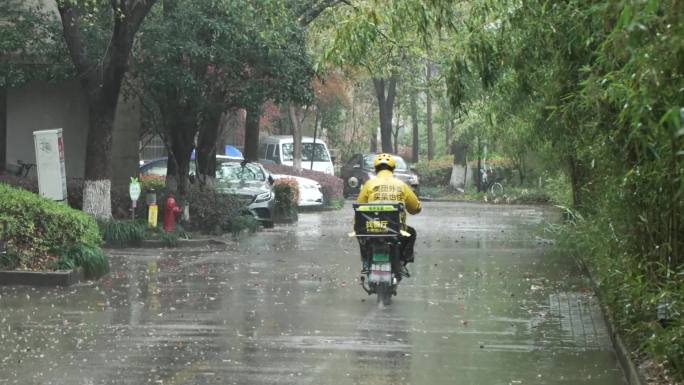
(241, 223)
(123, 232)
(91, 259)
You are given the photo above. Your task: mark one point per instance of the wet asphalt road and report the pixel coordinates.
(488, 303)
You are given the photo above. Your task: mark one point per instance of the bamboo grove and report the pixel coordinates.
(599, 86)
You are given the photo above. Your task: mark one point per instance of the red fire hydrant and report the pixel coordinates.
(170, 214)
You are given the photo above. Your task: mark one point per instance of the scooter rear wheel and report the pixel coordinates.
(384, 293)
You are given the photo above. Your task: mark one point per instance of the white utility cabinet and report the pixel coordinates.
(50, 166)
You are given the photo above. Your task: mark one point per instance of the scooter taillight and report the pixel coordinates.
(380, 272)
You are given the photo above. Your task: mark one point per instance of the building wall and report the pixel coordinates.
(42, 106)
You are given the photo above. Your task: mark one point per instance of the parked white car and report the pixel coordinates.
(278, 149)
(309, 190)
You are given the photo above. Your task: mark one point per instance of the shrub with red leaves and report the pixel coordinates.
(29, 184)
(331, 186)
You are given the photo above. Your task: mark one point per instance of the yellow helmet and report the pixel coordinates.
(384, 158)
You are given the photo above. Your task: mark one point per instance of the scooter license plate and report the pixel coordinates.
(380, 272)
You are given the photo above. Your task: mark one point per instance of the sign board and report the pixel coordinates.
(134, 189)
(49, 147)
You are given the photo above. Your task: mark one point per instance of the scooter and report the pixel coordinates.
(379, 230)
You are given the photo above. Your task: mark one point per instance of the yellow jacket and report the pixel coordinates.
(385, 187)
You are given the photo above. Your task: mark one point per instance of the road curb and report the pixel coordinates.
(202, 242)
(40, 278)
(629, 368)
(181, 243)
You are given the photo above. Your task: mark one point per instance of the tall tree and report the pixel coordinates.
(278, 64)
(428, 107)
(415, 133)
(380, 37)
(212, 57)
(306, 12)
(385, 90)
(101, 78)
(183, 44)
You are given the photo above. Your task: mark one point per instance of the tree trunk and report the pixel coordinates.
(317, 122)
(98, 167)
(101, 81)
(385, 91)
(209, 132)
(3, 128)
(478, 172)
(252, 133)
(395, 130)
(374, 141)
(414, 122)
(448, 129)
(577, 180)
(428, 102)
(353, 115)
(521, 168)
(180, 127)
(396, 140)
(295, 120)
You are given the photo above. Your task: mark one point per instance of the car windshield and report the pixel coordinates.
(235, 172)
(318, 150)
(368, 162)
(155, 168)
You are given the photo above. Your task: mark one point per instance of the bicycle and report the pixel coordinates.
(21, 169)
(496, 189)
(491, 183)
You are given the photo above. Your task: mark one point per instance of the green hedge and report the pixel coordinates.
(213, 212)
(42, 234)
(434, 173)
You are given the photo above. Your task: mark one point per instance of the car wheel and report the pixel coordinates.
(267, 224)
(353, 182)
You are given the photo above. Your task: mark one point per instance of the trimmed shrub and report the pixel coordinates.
(121, 202)
(40, 232)
(286, 197)
(331, 186)
(212, 211)
(29, 184)
(434, 173)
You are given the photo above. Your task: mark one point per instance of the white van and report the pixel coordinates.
(278, 149)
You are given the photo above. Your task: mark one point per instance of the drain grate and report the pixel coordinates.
(579, 320)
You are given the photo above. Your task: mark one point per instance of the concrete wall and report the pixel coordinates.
(125, 141)
(42, 105)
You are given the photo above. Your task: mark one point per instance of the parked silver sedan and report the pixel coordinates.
(249, 180)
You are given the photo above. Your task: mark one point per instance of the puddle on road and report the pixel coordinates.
(487, 304)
